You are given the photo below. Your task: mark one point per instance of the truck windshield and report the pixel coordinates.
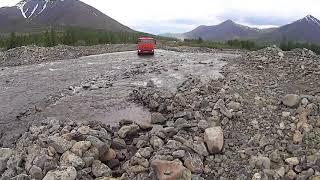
(146, 41)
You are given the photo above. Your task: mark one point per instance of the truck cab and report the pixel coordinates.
(146, 45)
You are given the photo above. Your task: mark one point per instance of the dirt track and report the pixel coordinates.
(92, 88)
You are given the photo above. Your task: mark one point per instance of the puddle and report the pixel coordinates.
(133, 112)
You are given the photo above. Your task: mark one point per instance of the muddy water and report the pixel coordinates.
(23, 87)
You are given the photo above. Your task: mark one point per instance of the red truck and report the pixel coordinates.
(146, 45)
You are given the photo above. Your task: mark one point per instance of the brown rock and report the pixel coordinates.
(170, 170)
(111, 154)
(297, 137)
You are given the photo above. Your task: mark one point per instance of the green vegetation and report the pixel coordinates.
(88, 37)
(231, 44)
(289, 45)
(71, 36)
(249, 45)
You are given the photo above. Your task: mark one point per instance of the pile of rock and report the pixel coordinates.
(178, 143)
(259, 122)
(34, 54)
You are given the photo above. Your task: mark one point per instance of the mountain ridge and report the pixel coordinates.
(306, 29)
(29, 15)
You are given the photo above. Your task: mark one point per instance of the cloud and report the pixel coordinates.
(181, 15)
(255, 20)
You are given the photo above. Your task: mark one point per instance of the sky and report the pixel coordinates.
(178, 16)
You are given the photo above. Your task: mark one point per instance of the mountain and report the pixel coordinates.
(29, 15)
(306, 29)
(223, 31)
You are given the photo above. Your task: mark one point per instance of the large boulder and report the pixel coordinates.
(170, 170)
(213, 137)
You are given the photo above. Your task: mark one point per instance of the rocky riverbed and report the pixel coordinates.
(261, 120)
(33, 54)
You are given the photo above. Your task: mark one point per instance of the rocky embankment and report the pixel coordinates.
(262, 121)
(33, 54)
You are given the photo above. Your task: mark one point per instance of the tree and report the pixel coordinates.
(12, 41)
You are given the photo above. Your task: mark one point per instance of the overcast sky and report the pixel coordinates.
(184, 15)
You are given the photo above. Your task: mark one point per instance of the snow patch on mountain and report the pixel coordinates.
(34, 10)
(20, 6)
(311, 20)
(44, 6)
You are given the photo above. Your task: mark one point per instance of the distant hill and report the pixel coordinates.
(306, 29)
(30, 15)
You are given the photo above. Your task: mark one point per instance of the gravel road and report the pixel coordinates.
(93, 87)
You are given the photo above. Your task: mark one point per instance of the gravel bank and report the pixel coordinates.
(261, 121)
(33, 54)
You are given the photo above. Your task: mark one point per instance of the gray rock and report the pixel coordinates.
(49, 165)
(59, 144)
(65, 173)
(293, 161)
(118, 144)
(95, 142)
(21, 177)
(157, 118)
(280, 54)
(260, 162)
(275, 156)
(8, 174)
(5, 154)
(291, 100)
(92, 152)
(193, 162)
(41, 160)
(221, 106)
(203, 124)
(145, 152)
(178, 154)
(213, 137)
(151, 84)
(80, 147)
(70, 159)
(304, 101)
(181, 123)
(113, 163)
(173, 144)
(99, 169)
(88, 161)
(156, 142)
(36, 172)
(198, 147)
(128, 130)
(234, 105)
